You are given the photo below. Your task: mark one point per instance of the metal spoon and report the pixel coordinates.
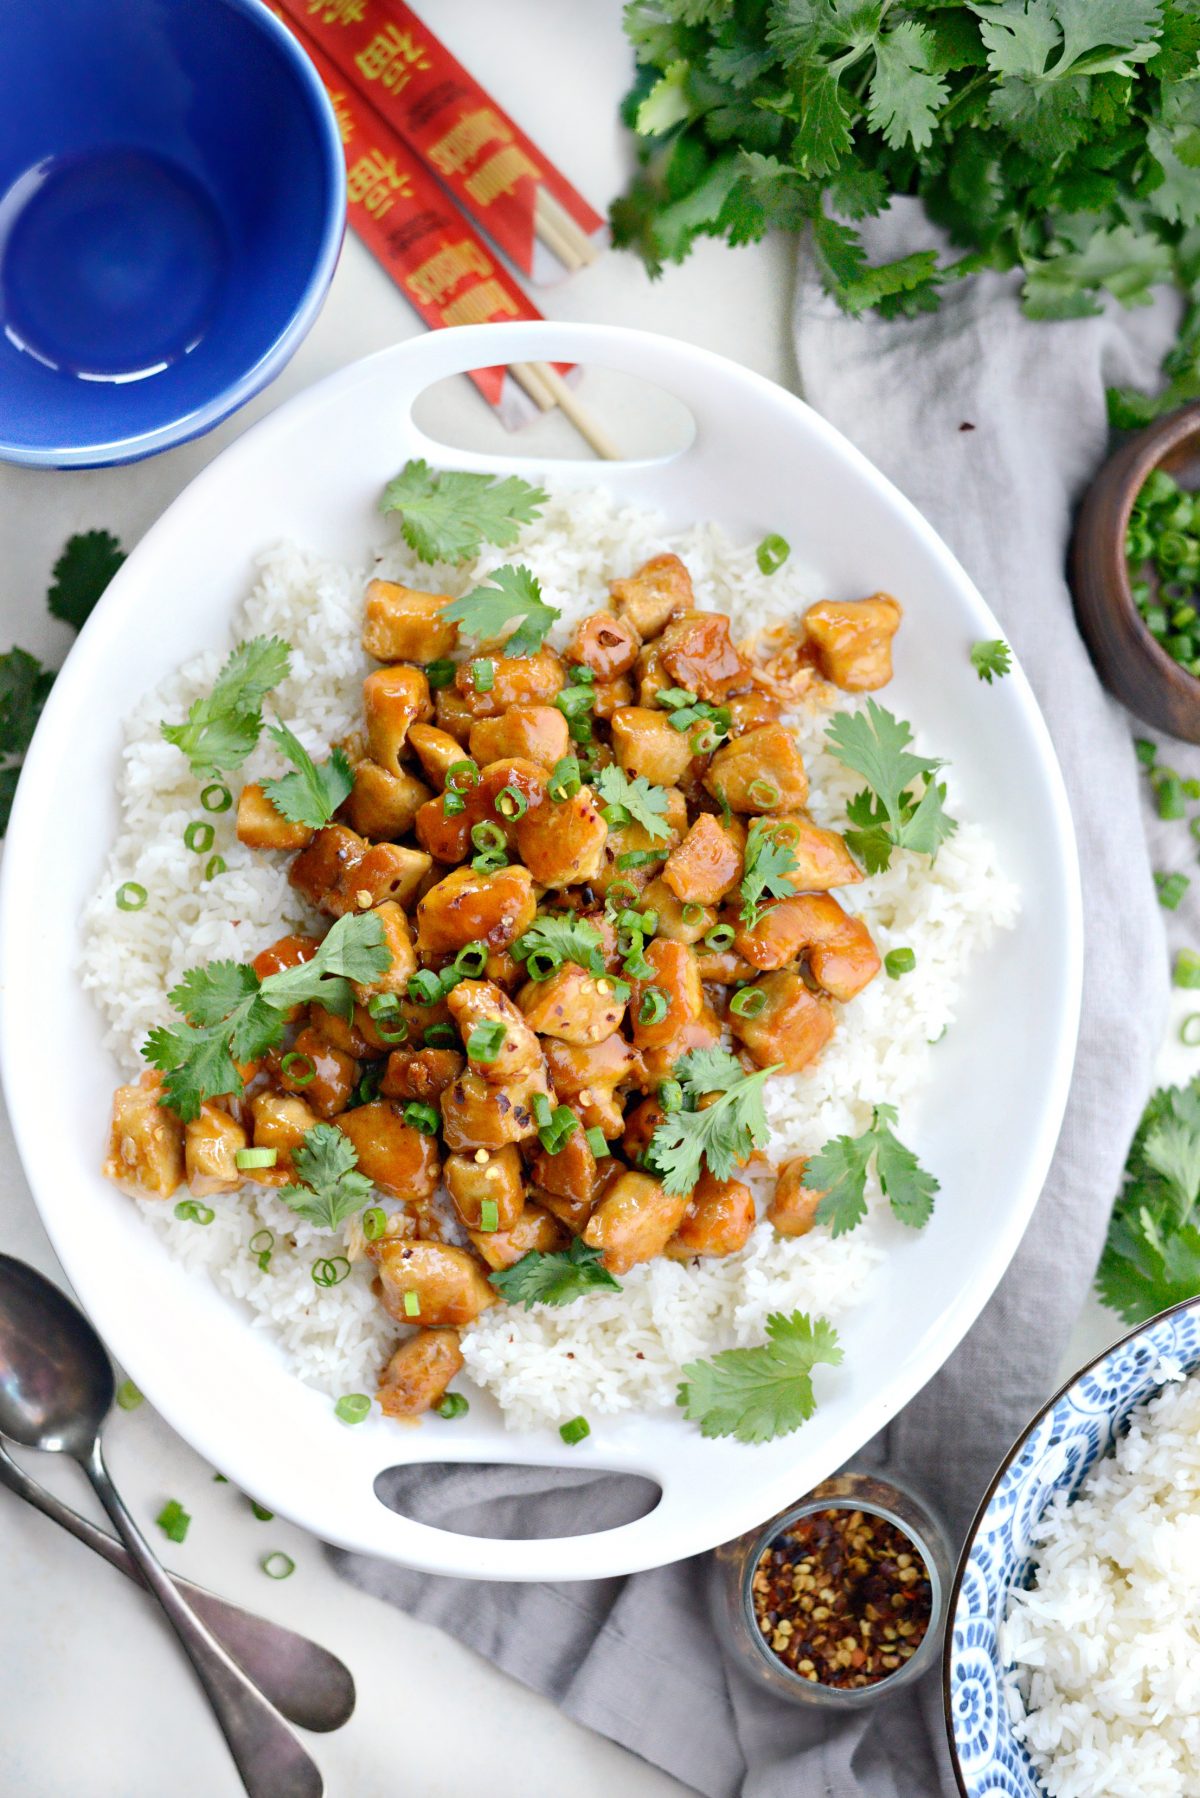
(56, 1388)
(301, 1679)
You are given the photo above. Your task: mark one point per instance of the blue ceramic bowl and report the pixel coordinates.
(172, 200)
(1078, 1426)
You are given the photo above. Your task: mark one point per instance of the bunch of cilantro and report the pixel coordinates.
(1058, 136)
(1152, 1256)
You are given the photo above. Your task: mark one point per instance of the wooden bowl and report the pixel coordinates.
(1130, 662)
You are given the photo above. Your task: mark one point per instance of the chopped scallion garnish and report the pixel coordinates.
(772, 553)
(278, 1565)
(255, 1157)
(191, 1211)
(421, 1116)
(199, 836)
(747, 1002)
(128, 1396)
(899, 961)
(452, 1406)
(131, 896)
(352, 1407)
(299, 1070)
(486, 1040)
(575, 1431)
(217, 797)
(174, 1521)
(330, 1270)
(412, 1304)
(489, 1216)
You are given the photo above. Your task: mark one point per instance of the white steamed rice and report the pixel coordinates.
(614, 1351)
(1106, 1643)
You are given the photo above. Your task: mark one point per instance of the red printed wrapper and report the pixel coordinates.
(438, 261)
(494, 171)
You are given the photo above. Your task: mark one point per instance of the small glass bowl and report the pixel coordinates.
(735, 1564)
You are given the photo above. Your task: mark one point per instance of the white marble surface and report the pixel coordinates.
(96, 1701)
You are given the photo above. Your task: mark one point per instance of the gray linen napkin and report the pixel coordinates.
(992, 425)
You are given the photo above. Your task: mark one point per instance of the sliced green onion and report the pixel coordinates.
(719, 937)
(199, 836)
(564, 780)
(490, 861)
(489, 1216)
(412, 1304)
(684, 719)
(213, 866)
(483, 673)
(174, 1521)
(352, 1407)
(422, 1116)
(439, 1036)
(452, 1406)
(255, 1157)
(462, 775)
(1171, 888)
(511, 802)
(472, 959)
(575, 1431)
(384, 1011)
(367, 1090)
(278, 1565)
(191, 1211)
(439, 674)
(899, 961)
(128, 1396)
(374, 1222)
(772, 553)
(621, 892)
(488, 835)
(673, 697)
(216, 798)
(330, 1270)
(1191, 788)
(1189, 1030)
(615, 816)
(580, 675)
(692, 914)
(654, 1006)
(580, 729)
(573, 702)
(706, 740)
(425, 987)
(541, 963)
(597, 1143)
(670, 1096)
(452, 803)
(747, 1002)
(261, 1245)
(763, 792)
(540, 1106)
(1169, 791)
(1187, 969)
(291, 1069)
(131, 896)
(638, 858)
(486, 1040)
(261, 1512)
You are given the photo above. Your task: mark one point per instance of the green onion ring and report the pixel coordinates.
(131, 896)
(199, 836)
(222, 801)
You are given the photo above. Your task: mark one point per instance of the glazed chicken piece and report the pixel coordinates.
(648, 598)
(821, 856)
(670, 999)
(719, 1220)
(397, 939)
(677, 922)
(146, 1152)
(478, 1115)
(210, 1145)
(759, 772)
(646, 742)
(572, 1005)
(404, 625)
(422, 1074)
(660, 1061)
(840, 953)
(454, 715)
(791, 1029)
(606, 644)
(587, 1078)
(532, 733)
(290, 951)
(535, 1229)
(706, 865)
(723, 967)
(852, 640)
(747, 711)
(393, 700)
(651, 848)
(641, 1121)
(395, 1157)
(384, 805)
(793, 1207)
(260, 826)
(475, 1003)
(650, 677)
(698, 653)
(436, 750)
(563, 845)
(447, 1283)
(324, 1076)
(418, 1374)
(566, 1182)
(467, 907)
(634, 1221)
(486, 1177)
(515, 680)
(340, 872)
(447, 834)
(608, 696)
(280, 1123)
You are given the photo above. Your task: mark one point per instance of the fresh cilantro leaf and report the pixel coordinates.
(703, 1071)
(723, 1135)
(449, 516)
(839, 1173)
(756, 1394)
(83, 570)
(1151, 1257)
(24, 688)
(508, 593)
(566, 936)
(1128, 264)
(645, 803)
(554, 1278)
(991, 658)
(329, 1189)
(222, 729)
(313, 793)
(767, 869)
(892, 814)
(905, 95)
(231, 1015)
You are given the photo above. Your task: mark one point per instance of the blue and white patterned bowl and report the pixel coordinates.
(1077, 1426)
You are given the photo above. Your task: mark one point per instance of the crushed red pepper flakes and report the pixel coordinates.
(843, 1598)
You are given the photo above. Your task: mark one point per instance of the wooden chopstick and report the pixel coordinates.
(559, 232)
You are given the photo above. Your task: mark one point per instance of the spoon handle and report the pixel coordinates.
(304, 1681)
(271, 1761)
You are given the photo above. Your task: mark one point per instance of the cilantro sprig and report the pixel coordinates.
(1151, 1258)
(768, 867)
(562, 937)
(223, 726)
(230, 1014)
(509, 593)
(840, 1172)
(722, 1135)
(641, 802)
(313, 793)
(893, 813)
(554, 1278)
(991, 658)
(756, 1394)
(328, 1187)
(448, 516)
(86, 566)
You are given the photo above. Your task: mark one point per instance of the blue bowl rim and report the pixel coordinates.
(990, 1492)
(280, 352)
